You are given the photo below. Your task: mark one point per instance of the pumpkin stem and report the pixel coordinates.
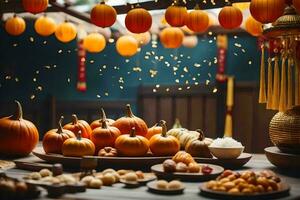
(163, 124)
(60, 128)
(74, 119)
(19, 112)
(103, 120)
(129, 111)
(201, 135)
(132, 132)
(79, 135)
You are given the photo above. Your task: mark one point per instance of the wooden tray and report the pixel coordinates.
(152, 188)
(227, 163)
(283, 191)
(282, 160)
(189, 177)
(103, 162)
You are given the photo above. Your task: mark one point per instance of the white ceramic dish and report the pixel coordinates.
(226, 152)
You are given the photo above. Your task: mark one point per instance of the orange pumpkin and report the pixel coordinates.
(253, 27)
(15, 25)
(132, 144)
(230, 17)
(175, 15)
(103, 15)
(266, 11)
(171, 37)
(126, 123)
(163, 144)
(78, 146)
(77, 125)
(197, 21)
(296, 4)
(156, 129)
(184, 157)
(98, 123)
(138, 20)
(104, 136)
(45, 26)
(54, 139)
(18, 136)
(35, 6)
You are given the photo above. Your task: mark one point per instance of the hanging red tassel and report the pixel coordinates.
(81, 82)
(222, 44)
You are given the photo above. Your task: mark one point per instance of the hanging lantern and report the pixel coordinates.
(138, 20)
(296, 4)
(190, 41)
(197, 20)
(66, 32)
(35, 6)
(175, 15)
(267, 11)
(45, 26)
(230, 17)
(94, 43)
(253, 27)
(127, 45)
(15, 25)
(171, 37)
(103, 15)
(142, 38)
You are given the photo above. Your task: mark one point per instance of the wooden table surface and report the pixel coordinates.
(258, 162)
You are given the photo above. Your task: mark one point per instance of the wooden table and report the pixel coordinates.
(258, 162)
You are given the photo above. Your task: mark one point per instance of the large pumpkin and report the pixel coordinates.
(230, 17)
(77, 125)
(105, 135)
(171, 37)
(138, 20)
(197, 21)
(18, 136)
(103, 15)
(98, 122)
(66, 32)
(199, 147)
(15, 25)
(78, 146)
(54, 139)
(126, 123)
(94, 42)
(45, 26)
(267, 11)
(163, 144)
(253, 27)
(156, 129)
(175, 15)
(35, 6)
(132, 144)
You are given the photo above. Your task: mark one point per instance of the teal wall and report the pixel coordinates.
(21, 58)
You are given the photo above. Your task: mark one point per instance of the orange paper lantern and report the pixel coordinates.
(138, 20)
(15, 25)
(103, 15)
(127, 45)
(175, 15)
(45, 26)
(253, 27)
(267, 11)
(142, 38)
(296, 4)
(171, 37)
(197, 21)
(66, 32)
(35, 6)
(94, 42)
(230, 17)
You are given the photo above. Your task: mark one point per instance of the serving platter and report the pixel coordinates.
(153, 188)
(283, 191)
(282, 160)
(185, 176)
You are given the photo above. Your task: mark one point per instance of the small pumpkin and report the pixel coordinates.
(54, 139)
(18, 136)
(132, 144)
(78, 146)
(98, 122)
(77, 125)
(183, 135)
(108, 152)
(163, 144)
(199, 147)
(156, 129)
(184, 157)
(126, 123)
(104, 136)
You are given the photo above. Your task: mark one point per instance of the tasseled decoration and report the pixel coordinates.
(283, 92)
(290, 84)
(262, 85)
(297, 86)
(270, 85)
(276, 86)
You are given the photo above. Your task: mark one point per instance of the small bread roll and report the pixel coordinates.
(162, 184)
(173, 185)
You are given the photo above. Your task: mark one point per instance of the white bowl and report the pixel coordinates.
(226, 152)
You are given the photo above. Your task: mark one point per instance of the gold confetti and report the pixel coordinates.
(15, 44)
(250, 62)
(237, 45)
(210, 33)
(7, 77)
(167, 89)
(92, 61)
(127, 60)
(180, 88)
(215, 90)
(45, 42)
(185, 69)
(207, 82)
(31, 39)
(197, 65)
(32, 96)
(16, 79)
(106, 93)
(60, 51)
(68, 80)
(157, 85)
(177, 80)
(34, 79)
(98, 96)
(154, 90)
(136, 69)
(111, 40)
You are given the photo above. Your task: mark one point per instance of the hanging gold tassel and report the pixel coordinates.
(262, 85)
(290, 84)
(283, 92)
(270, 85)
(276, 86)
(297, 86)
